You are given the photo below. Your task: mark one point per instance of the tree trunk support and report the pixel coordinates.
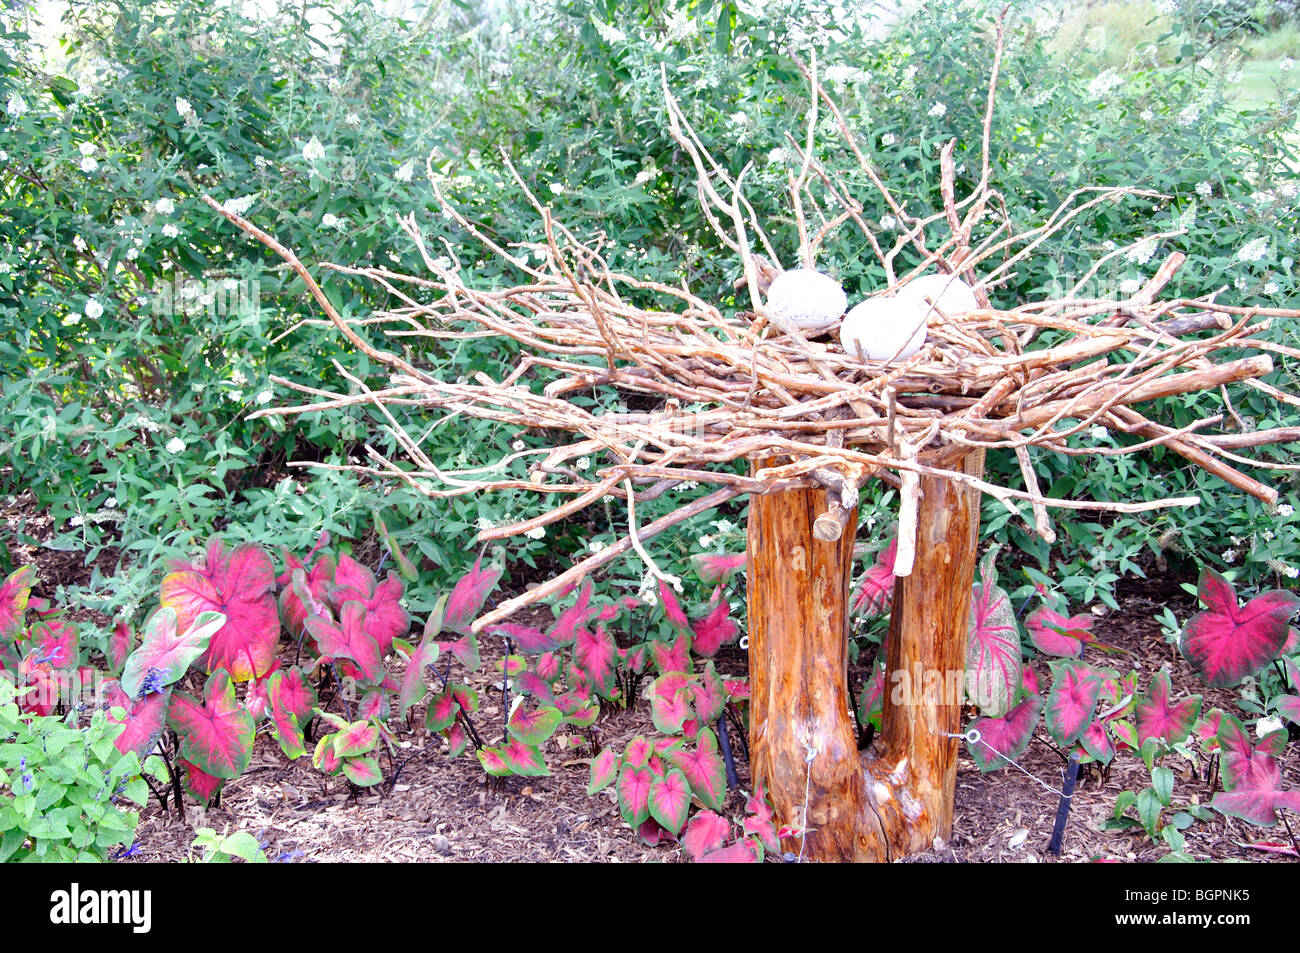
(803, 751)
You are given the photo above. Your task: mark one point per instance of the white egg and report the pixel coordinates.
(883, 329)
(806, 299)
(947, 293)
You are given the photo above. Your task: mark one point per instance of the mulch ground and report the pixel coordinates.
(433, 809)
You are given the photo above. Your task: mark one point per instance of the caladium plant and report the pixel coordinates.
(1229, 641)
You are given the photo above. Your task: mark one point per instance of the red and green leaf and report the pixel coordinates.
(121, 642)
(198, 784)
(1096, 741)
(716, 629)
(363, 772)
(633, 788)
(706, 832)
(672, 608)
(638, 752)
(1071, 701)
(238, 584)
(596, 654)
(165, 653)
(674, 656)
(1257, 793)
(14, 594)
(385, 618)
(670, 800)
(358, 738)
(465, 651)
(717, 569)
(604, 769)
(413, 686)
(1004, 738)
(1054, 634)
(144, 723)
(704, 768)
(670, 702)
(876, 588)
(1227, 642)
(468, 596)
(217, 735)
(573, 620)
(534, 727)
(993, 650)
(443, 709)
(494, 762)
(524, 759)
(709, 697)
(1157, 717)
(348, 639)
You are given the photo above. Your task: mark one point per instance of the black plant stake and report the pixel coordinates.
(1063, 809)
(724, 742)
(505, 692)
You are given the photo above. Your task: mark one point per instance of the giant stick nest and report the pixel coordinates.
(724, 387)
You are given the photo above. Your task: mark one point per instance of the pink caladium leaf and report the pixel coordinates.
(673, 609)
(595, 655)
(704, 768)
(633, 659)
(121, 642)
(163, 655)
(524, 759)
(638, 752)
(1029, 684)
(709, 697)
(876, 589)
(530, 684)
(57, 643)
(144, 723)
(238, 584)
(457, 740)
(358, 738)
(741, 852)
(468, 596)
(633, 788)
(413, 686)
(534, 727)
(494, 762)
(993, 649)
(550, 666)
(1292, 644)
(306, 594)
(1001, 739)
(1207, 731)
(706, 832)
(572, 620)
(323, 758)
(674, 657)
(363, 772)
(652, 833)
(717, 569)
(670, 701)
(761, 821)
(527, 639)
(1227, 642)
(1233, 738)
(1288, 706)
(465, 651)
(1257, 793)
(198, 784)
(288, 734)
(604, 769)
(256, 697)
(1124, 733)
(1054, 634)
(1157, 717)
(737, 688)
(871, 700)
(385, 618)
(15, 592)
(348, 639)
(716, 628)
(579, 712)
(442, 712)
(670, 800)
(1096, 741)
(216, 735)
(1071, 700)
(1273, 743)
(290, 692)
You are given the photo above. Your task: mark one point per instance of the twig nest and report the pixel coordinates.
(805, 299)
(947, 294)
(889, 328)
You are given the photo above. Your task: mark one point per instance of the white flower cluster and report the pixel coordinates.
(1104, 82)
(313, 151)
(1141, 252)
(609, 33)
(240, 205)
(405, 171)
(1253, 250)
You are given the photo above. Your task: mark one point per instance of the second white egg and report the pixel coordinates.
(883, 329)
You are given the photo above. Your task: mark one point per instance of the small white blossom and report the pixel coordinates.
(1098, 432)
(645, 175)
(557, 188)
(1270, 288)
(329, 220)
(352, 119)
(706, 542)
(76, 521)
(596, 545)
(1204, 189)
(937, 110)
(405, 171)
(89, 164)
(79, 243)
(517, 446)
(888, 223)
(888, 139)
(264, 397)
(584, 463)
(609, 33)
(1229, 556)
(1266, 726)
(16, 106)
(87, 148)
(94, 309)
(110, 503)
(1146, 115)
(1286, 64)
(4, 156)
(175, 445)
(1189, 114)
(183, 107)
(1104, 82)
(1129, 286)
(1253, 250)
(1285, 509)
(739, 118)
(1141, 253)
(164, 206)
(73, 319)
(238, 206)
(537, 532)
(650, 597)
(170, 230)
(313, 150)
